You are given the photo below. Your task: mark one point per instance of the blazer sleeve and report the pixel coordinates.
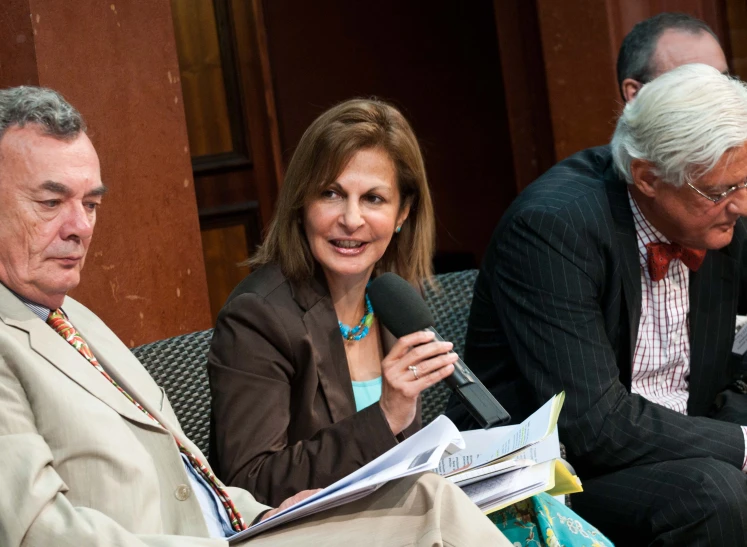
(251, 366)
(33, 507)
(547, 281)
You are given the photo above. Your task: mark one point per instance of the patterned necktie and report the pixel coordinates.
(58, 321)
(661, 254)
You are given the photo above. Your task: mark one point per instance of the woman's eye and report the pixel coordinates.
(329, 194)
(373, 198)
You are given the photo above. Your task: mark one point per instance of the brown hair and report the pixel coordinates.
(322, 154)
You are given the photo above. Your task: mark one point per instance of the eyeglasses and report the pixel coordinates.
(718, 197)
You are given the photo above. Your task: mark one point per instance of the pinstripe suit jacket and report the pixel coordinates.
(557, 305)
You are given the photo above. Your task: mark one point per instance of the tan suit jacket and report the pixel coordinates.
(76, 457)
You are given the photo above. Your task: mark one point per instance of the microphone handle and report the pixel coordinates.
(483, 407)
(461, 375)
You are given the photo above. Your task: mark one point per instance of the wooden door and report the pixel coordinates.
(233, 143)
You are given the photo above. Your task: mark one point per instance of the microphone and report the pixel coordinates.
(402, 311)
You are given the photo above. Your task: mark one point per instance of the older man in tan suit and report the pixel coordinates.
(90, 450)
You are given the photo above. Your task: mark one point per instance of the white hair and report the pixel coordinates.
(682, 123)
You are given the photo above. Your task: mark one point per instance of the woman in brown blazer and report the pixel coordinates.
(306, 385)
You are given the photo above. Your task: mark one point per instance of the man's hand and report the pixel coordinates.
(293, 500)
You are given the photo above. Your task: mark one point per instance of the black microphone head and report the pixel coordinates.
(398, 305)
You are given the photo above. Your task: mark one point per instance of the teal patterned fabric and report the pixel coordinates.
(543, 521)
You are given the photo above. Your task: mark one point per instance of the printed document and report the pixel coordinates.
(418, 453)
(485, 446)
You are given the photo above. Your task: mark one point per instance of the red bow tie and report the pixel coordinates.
(661, 254)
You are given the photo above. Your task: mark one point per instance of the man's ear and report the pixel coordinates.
(630, 89)
(644, 178)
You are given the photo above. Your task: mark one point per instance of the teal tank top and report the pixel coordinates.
(366, 393)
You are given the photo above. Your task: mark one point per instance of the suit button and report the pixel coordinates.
(182, 492)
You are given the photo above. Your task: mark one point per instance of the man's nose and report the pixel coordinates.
(738, 203)
(78, 223)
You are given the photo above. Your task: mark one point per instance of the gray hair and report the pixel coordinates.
(682, 122)
(42, 107)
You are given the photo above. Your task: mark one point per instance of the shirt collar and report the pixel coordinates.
(645, 231)
(42, 312)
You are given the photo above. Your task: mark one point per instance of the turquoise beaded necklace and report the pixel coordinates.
(361, 329)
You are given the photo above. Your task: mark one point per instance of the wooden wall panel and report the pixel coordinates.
(227, 90)
(580, 41)
(626, 13)
(525, 86)
(579, 59)
(202, 79)
(737, 18)
(116, 62)
(224, 248)
(17, 53)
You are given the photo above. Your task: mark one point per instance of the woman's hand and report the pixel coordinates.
(293, 500)
(401, 384)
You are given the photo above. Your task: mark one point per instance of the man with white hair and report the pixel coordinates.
(92, 453)
(616, 277)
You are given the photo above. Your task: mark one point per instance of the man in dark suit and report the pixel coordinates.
(616, 277)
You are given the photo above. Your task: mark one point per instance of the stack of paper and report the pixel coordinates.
(503, 465)
(495, 467)
(419, 453)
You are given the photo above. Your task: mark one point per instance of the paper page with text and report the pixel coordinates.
(488, 471)
(488, 445)
(545, 450)
(498, 492)
(478, 441)
(418, 453)
(740, 340)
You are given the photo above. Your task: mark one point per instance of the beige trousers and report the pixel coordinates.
(423, 510)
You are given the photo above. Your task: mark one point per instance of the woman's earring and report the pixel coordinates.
(398, 229)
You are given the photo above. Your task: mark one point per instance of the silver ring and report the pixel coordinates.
(414, 370)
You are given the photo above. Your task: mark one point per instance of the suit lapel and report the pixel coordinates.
(119, 363)
(332, 362)
(713, 307)
(60, 354)
(617, 194)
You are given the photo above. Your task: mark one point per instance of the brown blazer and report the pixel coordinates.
(283, 411)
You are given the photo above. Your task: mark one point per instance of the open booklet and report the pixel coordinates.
(489, 446)
(538, 468)
(499, 491)
(418, 453)
(544, 451)
(503, 465)
(441, 442)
